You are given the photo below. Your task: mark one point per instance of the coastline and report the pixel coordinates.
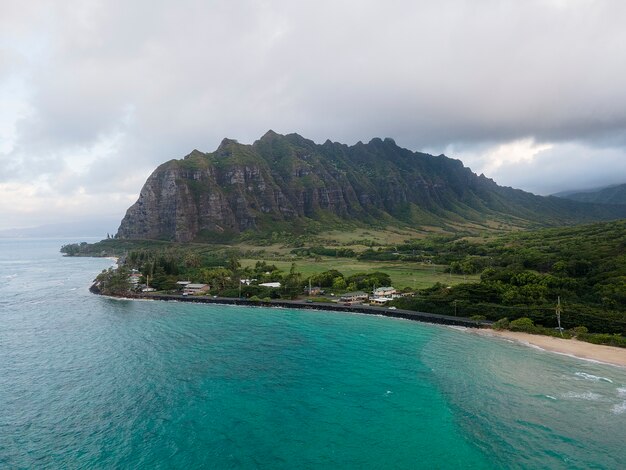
(570, 347)
(299, 304)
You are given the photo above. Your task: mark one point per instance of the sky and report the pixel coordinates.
(95, 94)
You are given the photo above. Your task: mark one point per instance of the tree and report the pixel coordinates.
(192, 260)
(293, 282)
(114, 281)
(522, 324)
(161, 281)
(339, 283)
(233, 264)
(218, 277)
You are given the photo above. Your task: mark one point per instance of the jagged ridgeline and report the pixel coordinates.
(289, 183)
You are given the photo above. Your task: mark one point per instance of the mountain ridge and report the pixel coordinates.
(290, 183)
(614, 194)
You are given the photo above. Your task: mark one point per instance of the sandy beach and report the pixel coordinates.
(571, 347)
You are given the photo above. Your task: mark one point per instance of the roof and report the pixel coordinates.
(270, 284)
(354, 294)
(384, 289)
(196, 286)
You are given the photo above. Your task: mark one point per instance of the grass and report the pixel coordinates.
(387, 236)
(403, 274)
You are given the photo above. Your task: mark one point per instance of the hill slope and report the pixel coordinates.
(608, 195)
(288, 183)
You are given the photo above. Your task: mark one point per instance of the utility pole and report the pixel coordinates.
(558, 314)
(455, 308)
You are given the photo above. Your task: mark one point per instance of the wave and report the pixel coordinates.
(593, 378)
(619, 409)
(456, 327)
(583, 396)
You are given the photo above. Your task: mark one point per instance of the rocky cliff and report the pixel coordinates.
(290, 183)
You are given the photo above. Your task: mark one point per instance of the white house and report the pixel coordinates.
(275, 285)
(385, 292)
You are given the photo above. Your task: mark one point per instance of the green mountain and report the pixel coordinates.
(609, 195)
(286, 183)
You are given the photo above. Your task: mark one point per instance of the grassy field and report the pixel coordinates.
(412, 275)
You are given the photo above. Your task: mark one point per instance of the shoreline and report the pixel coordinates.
(610, 355)
(423, 317)
(569, 347)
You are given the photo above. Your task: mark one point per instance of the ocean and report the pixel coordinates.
(93, 382)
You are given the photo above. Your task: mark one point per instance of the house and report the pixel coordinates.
(182, 284)
(275, 285)
(134, 278)
(192, 289)
(247, 282)
(354, 297)
(313, 290)
(385, 292)
(379, 301)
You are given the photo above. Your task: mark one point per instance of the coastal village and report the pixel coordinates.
(378, 296)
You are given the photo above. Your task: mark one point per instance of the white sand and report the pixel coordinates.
(572, 347)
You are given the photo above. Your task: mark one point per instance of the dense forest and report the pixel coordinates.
(524, 273)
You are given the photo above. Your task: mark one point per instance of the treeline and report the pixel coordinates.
(523, 274)
(162, 269)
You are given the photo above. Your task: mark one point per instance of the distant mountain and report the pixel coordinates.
(82, 228)
(288, 184)
(615, 194)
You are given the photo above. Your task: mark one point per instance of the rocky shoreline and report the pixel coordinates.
(300, 304)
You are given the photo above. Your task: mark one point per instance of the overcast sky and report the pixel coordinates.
(95, 94)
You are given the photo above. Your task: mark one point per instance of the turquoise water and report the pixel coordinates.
(87, 381)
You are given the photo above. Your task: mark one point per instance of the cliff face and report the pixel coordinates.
(288, 182)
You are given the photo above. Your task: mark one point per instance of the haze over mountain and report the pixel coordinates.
(289, 183)
(90, 227)
(615, 194)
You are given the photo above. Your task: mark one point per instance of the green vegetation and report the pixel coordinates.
(114, 281)
(523, 274)
(609, 195)
(411, 275)
(526, 325)
(502, 278)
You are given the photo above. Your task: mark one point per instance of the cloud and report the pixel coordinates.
(96, 94)
(565, 167)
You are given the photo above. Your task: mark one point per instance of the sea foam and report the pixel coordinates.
(583, 396)
(593, 378)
